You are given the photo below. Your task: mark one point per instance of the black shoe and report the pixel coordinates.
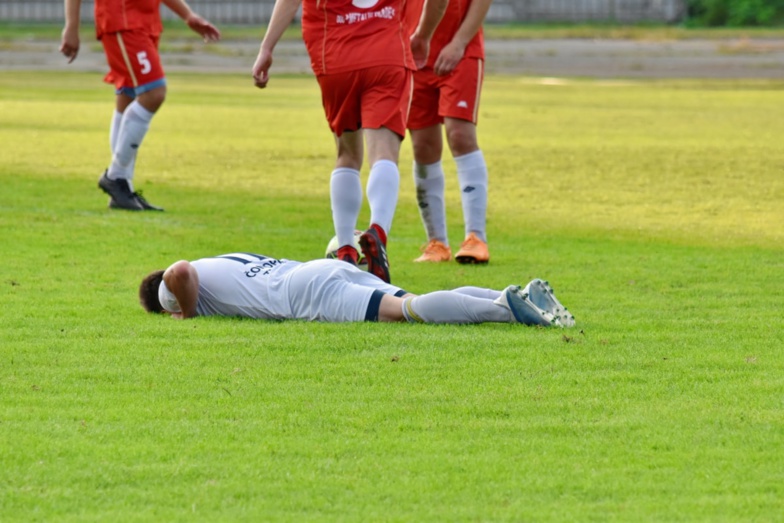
(375, 253)
(120, 191)
(147, 206)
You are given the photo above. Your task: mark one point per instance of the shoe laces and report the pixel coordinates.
(138, 194)
(434, 246)
(472, 242)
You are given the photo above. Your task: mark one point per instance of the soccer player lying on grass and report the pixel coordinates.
(254, 286)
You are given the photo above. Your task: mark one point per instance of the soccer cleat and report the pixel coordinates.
(120, 191)
(348, 254)
(523, 309)
(375, 253)
(473, 250)
(541, 294)
(147, 206)
(435, 251)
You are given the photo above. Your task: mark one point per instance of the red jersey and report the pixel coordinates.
(347, 35)
(112, 16)
(450, 23)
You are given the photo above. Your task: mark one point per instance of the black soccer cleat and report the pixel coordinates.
(147, 206)
(120, 191)
(375, 253)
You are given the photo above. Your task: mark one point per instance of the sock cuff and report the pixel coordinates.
(384, 163)
(470, 159)
(428, 171)
(408, 312)
(345, 170)
(136, 109)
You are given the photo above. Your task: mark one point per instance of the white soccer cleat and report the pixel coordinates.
(523, 309)
(541, 294)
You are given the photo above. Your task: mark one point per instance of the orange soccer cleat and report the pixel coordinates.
(473, 250)
(435, 251)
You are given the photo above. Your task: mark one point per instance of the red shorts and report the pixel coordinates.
(456, 95)
(134, 63)
(368, 98)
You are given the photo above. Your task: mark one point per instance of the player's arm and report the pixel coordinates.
(208, 32)
(453, 52)
(283, 14)
(69, 43)
(183, 281)
(432, 13)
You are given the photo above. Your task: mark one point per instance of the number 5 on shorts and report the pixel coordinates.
(141, 56)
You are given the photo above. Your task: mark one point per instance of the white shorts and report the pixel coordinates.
(336, 291)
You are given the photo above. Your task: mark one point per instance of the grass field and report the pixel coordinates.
(15, 31)
(654, 209)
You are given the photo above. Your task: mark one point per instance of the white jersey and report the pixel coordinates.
(256, 286)
(243, 284)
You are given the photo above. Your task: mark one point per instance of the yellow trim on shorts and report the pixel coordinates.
(480, 65)
(126, 59)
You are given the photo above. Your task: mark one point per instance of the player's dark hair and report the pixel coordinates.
(148, 292)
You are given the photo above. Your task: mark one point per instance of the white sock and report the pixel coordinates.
(133, 127)
(478, 292)
(382, 191)
(345, 192)
(454, 307)
(472, 175)
(114, 134)
(114, 130)
(429, 184)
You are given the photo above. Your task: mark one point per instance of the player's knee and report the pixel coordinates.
(427, 152)
(153, 99)
(462, 141)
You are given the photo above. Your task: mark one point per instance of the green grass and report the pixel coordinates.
(175, 30)
(654, 209)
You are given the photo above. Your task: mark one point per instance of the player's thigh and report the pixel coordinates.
(335, 291)
(134, 61)
(460, 91)
(341, 99)
(386, 98)
(424, 101)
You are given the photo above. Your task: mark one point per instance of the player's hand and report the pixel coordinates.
(261, 68)
(69, 44)
(420, 48)
(208, 32)
(448, 58)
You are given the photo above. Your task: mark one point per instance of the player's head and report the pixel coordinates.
(148, 292)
